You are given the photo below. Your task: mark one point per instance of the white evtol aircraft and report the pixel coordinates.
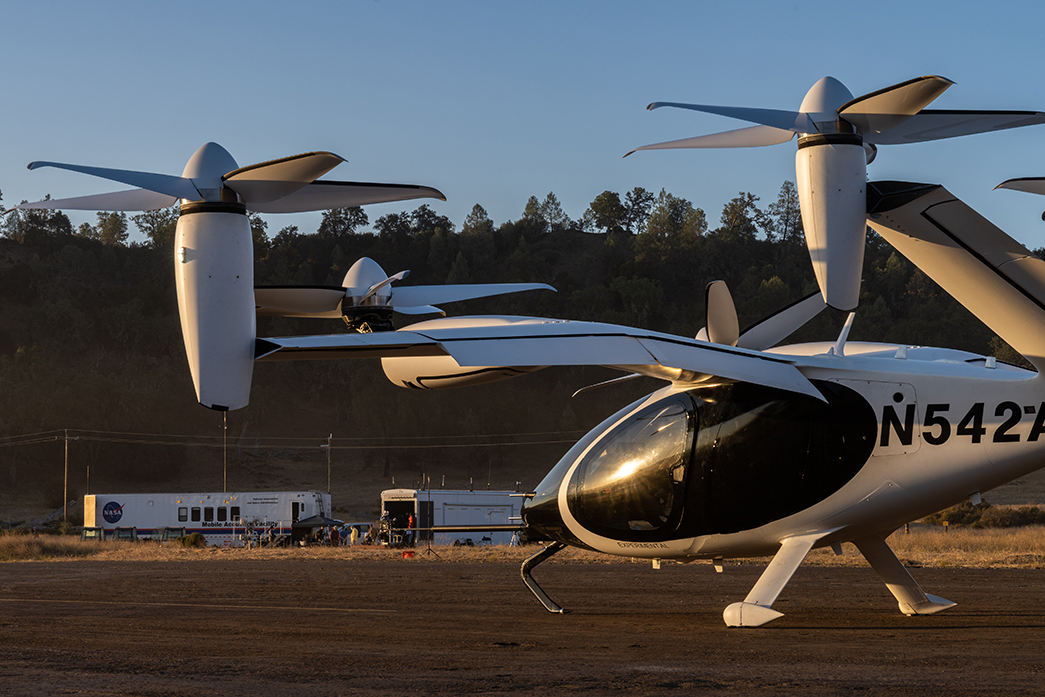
(752, 449)
(755, 449)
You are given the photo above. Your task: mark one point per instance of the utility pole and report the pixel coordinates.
(65, 488)
(224, 451)
(329, 439)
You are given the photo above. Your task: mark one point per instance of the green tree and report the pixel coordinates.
(259, 236)
(673, 222)
(32, 226)
(607, 213)
(340, 222)
(158, 226)
(87, 231)
(785, 216)
(477, 223)
(638, 203)
(741, 218)
(112, 229)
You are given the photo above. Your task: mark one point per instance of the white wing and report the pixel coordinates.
(531, 341)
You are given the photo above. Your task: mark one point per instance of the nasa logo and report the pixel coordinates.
(112, 512)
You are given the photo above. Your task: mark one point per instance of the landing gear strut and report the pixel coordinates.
(528, 565)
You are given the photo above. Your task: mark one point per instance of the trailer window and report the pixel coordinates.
(183, 514)
(223, 514)
(208, 514)
(235, 513)
(195, 514)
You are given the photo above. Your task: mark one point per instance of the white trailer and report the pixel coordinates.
(222, 518)
(447, 508)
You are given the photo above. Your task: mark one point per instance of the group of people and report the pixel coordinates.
(385, 531)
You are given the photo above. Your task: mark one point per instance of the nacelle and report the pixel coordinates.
(431, 372)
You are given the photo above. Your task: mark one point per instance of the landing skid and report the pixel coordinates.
(528, 565)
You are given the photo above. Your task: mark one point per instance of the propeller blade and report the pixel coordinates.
(178, 187)
(378, 286)
(794, 121)
(324, 195)
(413, 296)
(723, 327)
(887, 108)
(269, 181)
(773, 329)
(933, 124)
(130, 200)
(751, 137)
(298, 301)
(419, 310)
(1030, 185)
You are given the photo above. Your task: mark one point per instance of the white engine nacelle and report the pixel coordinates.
(832, 193)
(214, 270)
(432, 372)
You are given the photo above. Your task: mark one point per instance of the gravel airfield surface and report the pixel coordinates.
(394, 626)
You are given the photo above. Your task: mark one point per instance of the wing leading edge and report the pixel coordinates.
(536, 342)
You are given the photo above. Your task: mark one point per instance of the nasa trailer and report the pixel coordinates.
(457, 511)
(223, 518)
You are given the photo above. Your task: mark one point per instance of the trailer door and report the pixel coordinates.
(295, 511)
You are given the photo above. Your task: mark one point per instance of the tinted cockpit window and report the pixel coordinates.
(634, 477)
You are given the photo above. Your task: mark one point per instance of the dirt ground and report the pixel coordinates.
(399, 626)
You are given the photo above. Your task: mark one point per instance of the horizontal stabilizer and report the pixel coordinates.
(324, 195)
(992, 275)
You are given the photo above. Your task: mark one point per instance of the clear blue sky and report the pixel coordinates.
(492, 102)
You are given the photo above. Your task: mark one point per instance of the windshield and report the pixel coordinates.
(633, 478)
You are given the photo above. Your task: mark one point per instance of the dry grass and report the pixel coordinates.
(923, 547)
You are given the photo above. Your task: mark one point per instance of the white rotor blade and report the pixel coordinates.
(887, 108)
(932, 124)
(130, 200)
(179, 187)
(722, 326)
(324, 195)
(794, 121)
(418, 310)
(751, 137)
(269, 181)
(773, 329)
(381, 284)
(1030, 185)
(414, 296)
(298, 301)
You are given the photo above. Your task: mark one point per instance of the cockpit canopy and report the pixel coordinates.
(717, 459)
